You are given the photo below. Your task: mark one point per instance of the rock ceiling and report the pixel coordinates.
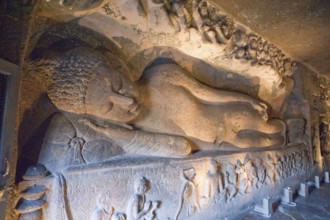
(300, 27)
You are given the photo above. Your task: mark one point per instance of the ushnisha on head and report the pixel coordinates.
(84, 83)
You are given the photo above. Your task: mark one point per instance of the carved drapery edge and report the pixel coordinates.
(214, 25)
(217, 27)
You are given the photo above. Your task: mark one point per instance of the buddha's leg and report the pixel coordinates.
(272, 126)
(254, 133)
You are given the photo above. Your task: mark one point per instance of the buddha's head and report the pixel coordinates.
(84, 83)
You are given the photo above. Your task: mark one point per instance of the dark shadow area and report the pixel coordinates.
(30, 151)
(276, 204)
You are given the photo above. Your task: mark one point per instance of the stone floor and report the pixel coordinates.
(314, 207)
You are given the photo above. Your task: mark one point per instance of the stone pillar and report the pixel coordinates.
(303, 191)
(317, 182)
(266, 209)
(287, 198)
(326, 177)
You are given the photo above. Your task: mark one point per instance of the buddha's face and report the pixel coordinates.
(111, 96)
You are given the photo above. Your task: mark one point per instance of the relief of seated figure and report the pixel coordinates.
(165, 113)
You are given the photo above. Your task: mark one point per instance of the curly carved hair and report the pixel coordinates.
(68, 82)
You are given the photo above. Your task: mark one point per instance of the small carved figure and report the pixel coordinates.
(230, 182)
(270, 170)
(214, 25)
(251, 174)
(213, 183)
(177, 14)
(299, 162)
(242, 177)
(290, 164)
(138, 208)
(259, 51)
(77, 145)
(278, 167)
(104, 209)
(285, 166)
(324, 136)
(293, 164)
(188, 195)
(261, 172)
(238, 44)
(295, 160)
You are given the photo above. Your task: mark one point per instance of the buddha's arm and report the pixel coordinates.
(142, 142)
(208, 95)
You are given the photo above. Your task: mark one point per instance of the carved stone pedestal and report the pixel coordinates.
(326, 177)
(303, 191)
(317, 182)
(287, 198)
(266, 208)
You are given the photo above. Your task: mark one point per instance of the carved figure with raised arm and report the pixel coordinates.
(231, 181)
(242, 178)
(270, 170)
(251, 174)
(261, 172)
(138, 207)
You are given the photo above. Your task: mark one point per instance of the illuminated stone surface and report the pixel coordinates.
(160, 110)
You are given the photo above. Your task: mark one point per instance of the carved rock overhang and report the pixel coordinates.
(195, 34)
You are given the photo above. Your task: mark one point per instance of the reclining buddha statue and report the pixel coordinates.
(165, 113)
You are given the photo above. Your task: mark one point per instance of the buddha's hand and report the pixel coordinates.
(262, 109)
(105, 128)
